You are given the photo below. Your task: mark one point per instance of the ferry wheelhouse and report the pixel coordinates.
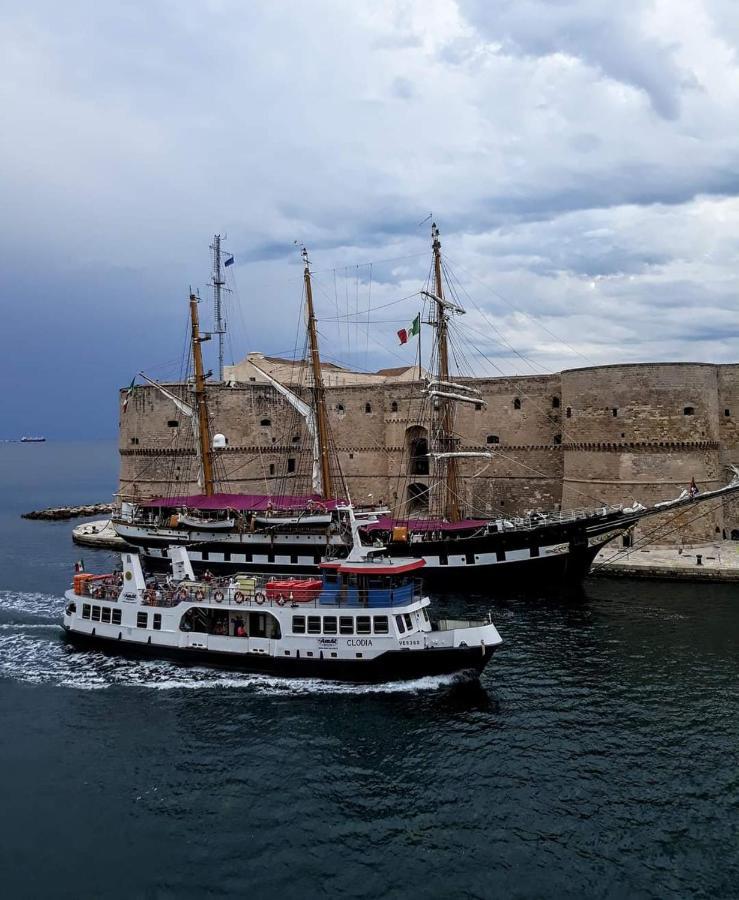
(361, 620)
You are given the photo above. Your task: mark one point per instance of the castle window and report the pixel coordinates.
(727, 412)
(339, 407)
(271, 468)
(517, 403)
(394, 406)
(493, 439)
(291, 464)
(265, 423)
(478, 406)
(614, 412)
(557, 439)
(134, 440)
(568, 413)
(368, 407)
(296, 438)
(173, 423)
(555, 402)
(689, 411)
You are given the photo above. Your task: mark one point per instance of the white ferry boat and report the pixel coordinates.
(362, 619)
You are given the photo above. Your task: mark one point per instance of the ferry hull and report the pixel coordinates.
(394, 665)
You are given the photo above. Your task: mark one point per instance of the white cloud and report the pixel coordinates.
(581, 158)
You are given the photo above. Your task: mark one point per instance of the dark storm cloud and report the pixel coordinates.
(580, 158)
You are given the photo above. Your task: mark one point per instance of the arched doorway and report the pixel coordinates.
(417, 448)
(418, 498)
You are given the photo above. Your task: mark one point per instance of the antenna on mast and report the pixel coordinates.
(218, 283)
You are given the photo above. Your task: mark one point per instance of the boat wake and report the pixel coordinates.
(33, 650)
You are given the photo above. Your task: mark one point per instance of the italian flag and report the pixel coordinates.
(414, 329)
(129, 392)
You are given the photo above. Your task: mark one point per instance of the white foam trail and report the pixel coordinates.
(36, 653)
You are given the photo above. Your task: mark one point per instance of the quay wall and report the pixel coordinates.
(580, 438)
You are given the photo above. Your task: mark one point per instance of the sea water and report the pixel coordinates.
(597, 757)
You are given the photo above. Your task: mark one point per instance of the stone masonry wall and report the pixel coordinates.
(607, 434)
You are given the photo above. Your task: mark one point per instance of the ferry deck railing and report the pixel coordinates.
(252, 591)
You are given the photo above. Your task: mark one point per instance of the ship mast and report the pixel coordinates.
(206, 450)
(446, 439)
(218, 283)
(319, 394)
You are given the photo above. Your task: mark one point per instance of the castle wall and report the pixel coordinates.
(609, 434)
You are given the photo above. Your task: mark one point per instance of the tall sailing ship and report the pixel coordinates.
(239, 532)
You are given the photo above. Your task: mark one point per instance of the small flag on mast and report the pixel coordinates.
(128, 393)
(229, 261)
(414, 329)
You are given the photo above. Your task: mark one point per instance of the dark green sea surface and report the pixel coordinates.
(597, 758)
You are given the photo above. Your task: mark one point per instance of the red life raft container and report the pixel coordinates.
(302, 590)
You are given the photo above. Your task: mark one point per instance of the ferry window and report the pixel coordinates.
(408, 621)
(265, 423)
(291, 464)
(96, 614)
(401, 625)
(116, 617)
(380, 623)
(493, 439)
(314, 624)
(298, 624)
(394, 406)
(688, 411)
(157, 621)
(517, 403)
(105, 614)
(142, 620)
(346, 625)
(363, 625)
(173, 423)
(329, 624)
(85, 610)
(425, 614)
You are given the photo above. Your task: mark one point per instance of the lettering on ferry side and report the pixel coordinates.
(359, 642)
(409, 643)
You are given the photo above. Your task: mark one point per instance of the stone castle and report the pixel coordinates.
(580, 438)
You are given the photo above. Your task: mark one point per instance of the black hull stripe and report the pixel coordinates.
(395, 665)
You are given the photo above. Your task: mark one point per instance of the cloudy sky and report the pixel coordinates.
(580, 157)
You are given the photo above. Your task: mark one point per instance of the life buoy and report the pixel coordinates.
(239, 597)
(280, 601)
(199, 595)
(218, 596)
(259, 598)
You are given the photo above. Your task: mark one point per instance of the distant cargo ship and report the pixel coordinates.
(28, 439)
